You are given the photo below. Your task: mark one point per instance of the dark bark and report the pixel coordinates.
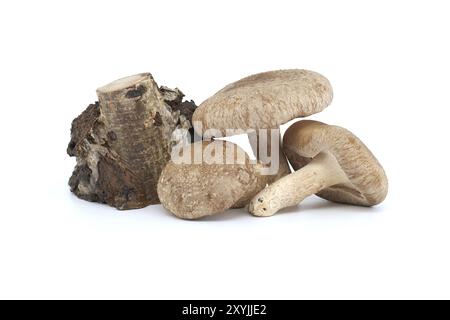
(124, 141)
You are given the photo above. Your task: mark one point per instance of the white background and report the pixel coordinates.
(388, 62)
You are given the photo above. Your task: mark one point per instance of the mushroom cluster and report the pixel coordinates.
(211, 176)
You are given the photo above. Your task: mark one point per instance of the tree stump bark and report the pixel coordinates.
(123, 142)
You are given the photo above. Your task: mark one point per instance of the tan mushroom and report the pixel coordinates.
(264, 101)
(330, 162)
(215, 176)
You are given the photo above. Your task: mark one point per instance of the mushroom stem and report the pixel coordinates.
(322, 172)
(274, 166)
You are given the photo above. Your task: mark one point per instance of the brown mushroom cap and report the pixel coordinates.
(191, 191)
(367, 182)
(264, 101)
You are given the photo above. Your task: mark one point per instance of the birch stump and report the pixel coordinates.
(123, 141)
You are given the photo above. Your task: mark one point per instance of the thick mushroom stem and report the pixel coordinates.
(266, 146)
(322, 172)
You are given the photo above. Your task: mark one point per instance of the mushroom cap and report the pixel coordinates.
(367, 182)
(194, 190)
(264, 101)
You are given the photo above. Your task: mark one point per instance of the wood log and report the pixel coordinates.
(123, 141)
